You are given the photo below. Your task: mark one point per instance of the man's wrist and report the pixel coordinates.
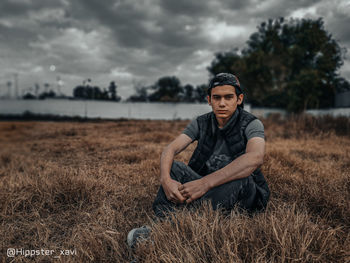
(164, 179)
(207, 182)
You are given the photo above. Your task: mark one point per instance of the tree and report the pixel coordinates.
(292, 64)
(79, 92)
(188, 93)
(228, 62)
(47, 94)
(167, 89)
(201, 93)
(86, 91)
(141, 94)
(113, 90)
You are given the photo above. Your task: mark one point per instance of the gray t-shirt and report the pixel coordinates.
(221, 155)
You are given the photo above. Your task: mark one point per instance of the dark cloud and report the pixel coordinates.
(338, 22)
(141, 40)
(188, 8)
(10, 8)
(124, 19)
(138, 26)
(236, 5)
(22, 7)
(135, 27)
(282, 8)
(15, 40)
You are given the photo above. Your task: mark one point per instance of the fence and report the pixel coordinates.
(113, 110)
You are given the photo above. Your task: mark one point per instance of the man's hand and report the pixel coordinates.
(193, 190)
(171, 186)
(171, 190)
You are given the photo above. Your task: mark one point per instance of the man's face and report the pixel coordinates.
(224, 101)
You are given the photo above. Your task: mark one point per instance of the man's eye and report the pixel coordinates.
(229, 97)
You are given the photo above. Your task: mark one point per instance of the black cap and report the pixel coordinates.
(225, 79)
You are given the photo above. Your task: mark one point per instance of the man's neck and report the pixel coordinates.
(222, 121)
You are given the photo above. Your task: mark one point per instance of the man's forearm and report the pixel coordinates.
(166, 161)
(241, 167)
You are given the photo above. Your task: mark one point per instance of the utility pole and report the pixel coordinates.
(15, 75)
(58, 85)
(9, 84)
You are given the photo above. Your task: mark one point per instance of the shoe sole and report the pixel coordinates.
(130, 238)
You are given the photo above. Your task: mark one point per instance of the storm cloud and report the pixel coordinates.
(129, 41)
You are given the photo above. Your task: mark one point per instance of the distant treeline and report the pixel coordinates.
(87, 91)
(170, 89)
(291, 64)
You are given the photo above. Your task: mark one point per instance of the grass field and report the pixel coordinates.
(81, 186)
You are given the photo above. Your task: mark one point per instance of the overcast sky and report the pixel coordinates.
(136, 42)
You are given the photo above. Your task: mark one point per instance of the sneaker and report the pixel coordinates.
(138, 234)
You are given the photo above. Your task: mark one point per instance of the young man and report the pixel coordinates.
(224, 167)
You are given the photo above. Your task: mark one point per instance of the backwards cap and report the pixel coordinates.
(225, 79)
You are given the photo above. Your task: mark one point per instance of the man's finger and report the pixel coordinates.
(184, 194)
(181, 187)
(179, 197)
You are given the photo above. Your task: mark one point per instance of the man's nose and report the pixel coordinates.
(222, 102)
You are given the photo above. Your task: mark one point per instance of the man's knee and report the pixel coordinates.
(177, 165)
(183, 173)
(176, 171)
(239, 192)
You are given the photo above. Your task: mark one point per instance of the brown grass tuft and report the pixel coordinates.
(283, 234)
(83, 186)
(305, 126)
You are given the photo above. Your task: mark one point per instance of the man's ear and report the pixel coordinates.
(208, 99)
(240, 99)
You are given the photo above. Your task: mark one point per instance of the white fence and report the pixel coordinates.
(265, 112)
(114, 110)
(104, 109)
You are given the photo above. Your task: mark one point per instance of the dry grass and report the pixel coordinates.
(83, 186)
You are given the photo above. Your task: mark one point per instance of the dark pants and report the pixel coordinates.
(249, 193)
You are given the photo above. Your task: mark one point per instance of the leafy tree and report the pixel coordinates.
(167, 89)
(292, 64)
(140, 96)
(188, 93)
(201, 93)
(79, 92)
(113, 90)
(29, 96)
(94, 92)
(47, 94)
(228, 62)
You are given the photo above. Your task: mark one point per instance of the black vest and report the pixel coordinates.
(234, 136)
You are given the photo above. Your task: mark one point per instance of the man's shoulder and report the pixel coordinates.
(204, 118)
(193, 128)
(247, 117)
(248, 114)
